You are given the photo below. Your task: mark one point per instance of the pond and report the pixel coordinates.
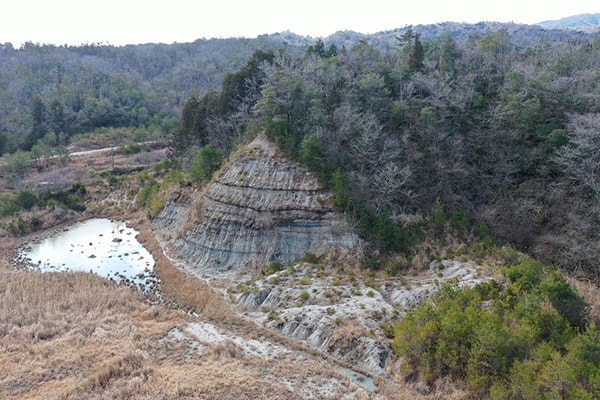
(101, 246)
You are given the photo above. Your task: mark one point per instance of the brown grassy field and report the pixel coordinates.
(77, 336)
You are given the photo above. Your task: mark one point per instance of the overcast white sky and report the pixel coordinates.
(121, 22)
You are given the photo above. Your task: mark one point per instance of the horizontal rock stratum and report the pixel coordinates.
(259, 208)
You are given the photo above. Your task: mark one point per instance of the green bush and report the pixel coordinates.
(149, 191)
(17, 225)
(275, 266)
(78, 188)
(313, 156)
(8, 207)
(552, 374)
(131, 148)
(304, 295)
(527, 342)
(204, 164)
(26, 199)
(525, 275)
(566, 300)
(69, 199)
(35, 222)
(310, 258)
(557, 138)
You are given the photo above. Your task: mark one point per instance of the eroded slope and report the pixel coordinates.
(258, 209)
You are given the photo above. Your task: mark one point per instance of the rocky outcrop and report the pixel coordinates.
(258, 209)
(340, 316)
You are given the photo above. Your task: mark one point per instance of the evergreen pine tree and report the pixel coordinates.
(416, 56)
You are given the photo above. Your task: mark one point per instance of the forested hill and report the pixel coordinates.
(482, 129)
(522, 35)
(68, 90)
(580, 21)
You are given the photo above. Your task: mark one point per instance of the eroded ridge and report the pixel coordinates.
(259, 208)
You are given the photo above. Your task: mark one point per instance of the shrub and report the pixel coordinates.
(8, 207)
(204, 164)
(146, 196)
(274, 267)
(309, 258)
(26, 199)
(527, 342)
(67, 197)
(78, 188)
(16, 226)
(131, 148)
(525, 275)
(566, 300)
(111, 178)
(35, 222)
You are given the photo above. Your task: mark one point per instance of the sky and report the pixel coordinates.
(120, 22)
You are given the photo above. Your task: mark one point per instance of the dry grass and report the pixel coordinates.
(77, 336)
(58, 330)
(346, 337)
(181, 288)
(400, 389)
(226, 349)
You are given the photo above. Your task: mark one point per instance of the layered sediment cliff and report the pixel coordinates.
(258, 209)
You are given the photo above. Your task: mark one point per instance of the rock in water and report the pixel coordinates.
(259, 208)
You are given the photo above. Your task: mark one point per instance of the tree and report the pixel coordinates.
(496, 45)
(318, 49)
(581, 157)
(448, 55)
(235, 86)
(416, 55)
(56, 117)
(38, 121)
(406, 38)
(7, 142)
(190, 126)
(204, 164)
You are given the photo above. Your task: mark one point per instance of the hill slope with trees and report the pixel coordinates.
(501, 133)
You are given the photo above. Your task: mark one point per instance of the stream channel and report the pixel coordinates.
(105, 247)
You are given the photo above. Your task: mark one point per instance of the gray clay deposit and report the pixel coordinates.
(261, 208)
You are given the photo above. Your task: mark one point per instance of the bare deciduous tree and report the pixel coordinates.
(581, 157)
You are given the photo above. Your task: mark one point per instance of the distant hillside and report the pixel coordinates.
(60, 91)
(580, 21)
(80, 89)
(522, 35)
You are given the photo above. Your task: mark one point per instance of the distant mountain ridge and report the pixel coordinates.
(580, 21)
(522, 35)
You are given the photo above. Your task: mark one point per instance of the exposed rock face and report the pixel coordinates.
(339, 316)
(258, 209)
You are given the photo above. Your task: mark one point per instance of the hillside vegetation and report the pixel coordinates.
(50, 93)
(501, 134)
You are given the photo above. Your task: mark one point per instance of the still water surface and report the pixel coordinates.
(107, 248)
